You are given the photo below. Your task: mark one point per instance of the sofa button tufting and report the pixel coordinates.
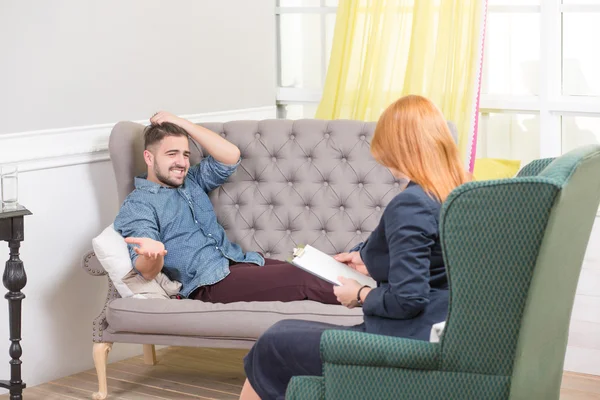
(362, 137)
(342, 208)
(327, 135)
(268, 254)
(292, 137)
(274, 159)
(237, 206)
(323, 231)
(309, 159)
(360, 184)
(344, 159)
(307, 207)
(256, 182)
(257, 135)
(288, 231)
(378, 208)
(325, 183)
(358, 231)
(396, 184)
(271, 206)
(290, 184)
(252, 230)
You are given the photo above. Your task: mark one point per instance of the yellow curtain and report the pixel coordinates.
(385, 49)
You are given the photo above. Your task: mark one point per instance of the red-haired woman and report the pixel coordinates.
(403, 254)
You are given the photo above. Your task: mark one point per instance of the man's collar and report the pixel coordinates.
(142, 182)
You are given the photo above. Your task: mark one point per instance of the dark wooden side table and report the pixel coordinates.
(14, 279)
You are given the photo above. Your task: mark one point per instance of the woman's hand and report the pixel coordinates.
(347, 292)
(353, 260)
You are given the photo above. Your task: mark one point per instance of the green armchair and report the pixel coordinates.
(514, 250)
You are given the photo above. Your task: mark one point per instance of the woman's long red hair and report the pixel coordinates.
(412, 137)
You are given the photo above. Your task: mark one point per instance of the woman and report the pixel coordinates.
(403, 254)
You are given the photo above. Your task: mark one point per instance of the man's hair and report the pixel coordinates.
(156, 133)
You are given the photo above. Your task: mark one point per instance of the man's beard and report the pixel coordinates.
(164, 178)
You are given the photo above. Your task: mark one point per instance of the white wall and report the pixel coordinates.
(71, 62)
(69, 70)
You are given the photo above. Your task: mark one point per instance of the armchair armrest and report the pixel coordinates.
(358, 348)
(306, 387)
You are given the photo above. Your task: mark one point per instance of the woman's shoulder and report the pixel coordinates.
(413, 196)
(413, 206)
(412, 209)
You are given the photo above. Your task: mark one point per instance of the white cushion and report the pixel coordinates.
(113, 254)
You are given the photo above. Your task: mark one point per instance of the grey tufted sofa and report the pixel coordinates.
(300, 182)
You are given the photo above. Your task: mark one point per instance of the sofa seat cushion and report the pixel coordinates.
(242, 320)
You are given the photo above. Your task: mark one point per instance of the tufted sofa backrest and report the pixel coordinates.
(300, 182)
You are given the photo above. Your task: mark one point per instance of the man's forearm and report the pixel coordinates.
(221, 149)
(149, 267)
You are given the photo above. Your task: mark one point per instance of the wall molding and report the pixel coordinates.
(53, 148)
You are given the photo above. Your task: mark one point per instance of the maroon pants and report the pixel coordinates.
(276, 281)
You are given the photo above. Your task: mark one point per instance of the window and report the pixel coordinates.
(509, 133)
(540, 87)
(305, 33)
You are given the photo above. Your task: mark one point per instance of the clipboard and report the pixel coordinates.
(324, 266)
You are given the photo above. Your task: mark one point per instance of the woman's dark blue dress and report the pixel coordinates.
(403, 254)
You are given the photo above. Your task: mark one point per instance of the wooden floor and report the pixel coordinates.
(196, 373)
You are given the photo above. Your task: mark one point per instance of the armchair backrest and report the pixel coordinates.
(535, 167)
(513, 250)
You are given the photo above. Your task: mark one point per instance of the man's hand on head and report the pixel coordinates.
(164, 116)
(147, 247)
(218, 147)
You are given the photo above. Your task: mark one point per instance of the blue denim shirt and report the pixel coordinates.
(183, 219)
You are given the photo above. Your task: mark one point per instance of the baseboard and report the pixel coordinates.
(54, 148)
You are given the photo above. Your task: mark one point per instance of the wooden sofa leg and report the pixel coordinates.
(100, 353)
(149, 354)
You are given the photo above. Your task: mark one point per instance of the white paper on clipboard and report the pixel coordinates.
(326, 267)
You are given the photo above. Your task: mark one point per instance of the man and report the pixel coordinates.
(169, 224)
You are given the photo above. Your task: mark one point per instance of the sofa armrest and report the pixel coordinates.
(91, 264)
(306, 388)
(365, 349)
(93, 267)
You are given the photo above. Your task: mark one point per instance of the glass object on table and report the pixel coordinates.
(9, 181)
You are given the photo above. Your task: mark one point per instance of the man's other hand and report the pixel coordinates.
(147, 247)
